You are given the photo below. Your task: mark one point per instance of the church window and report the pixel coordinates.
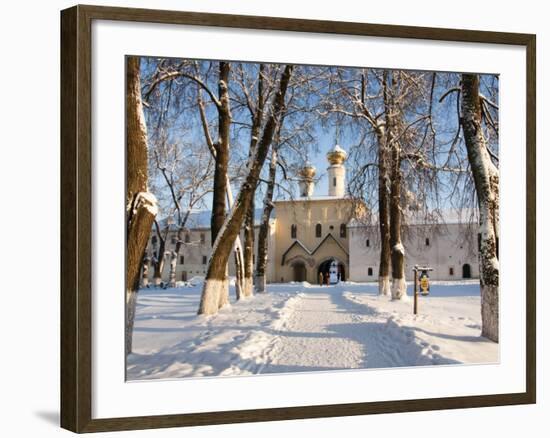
(293, 231)
(451, 271)
(334, 181)
(368, 243)
(204, 260)
(203, 238)
(343, 230)
(370, 272)
(182, 260)
(318, 230)
(427, 241)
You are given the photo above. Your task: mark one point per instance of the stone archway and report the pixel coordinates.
(324, 267)
(299, 271)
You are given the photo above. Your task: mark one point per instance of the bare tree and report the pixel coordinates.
(486, 179)
(159, 252)
(220, 152)
(369, 105)
(215, 276)
(391, 111)
(141, 205)
(263, 235)
(187, 173)
(198, 79)
(255, 107)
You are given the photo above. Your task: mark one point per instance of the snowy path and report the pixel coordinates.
(310, 336)
(328, 330)
(300, 327)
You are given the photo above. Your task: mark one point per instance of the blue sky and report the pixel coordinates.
(185, 128)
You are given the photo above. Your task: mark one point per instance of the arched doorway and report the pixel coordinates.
(324, 268)
(466, 271)
(299, 271)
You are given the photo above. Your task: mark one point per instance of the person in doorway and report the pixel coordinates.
(320, 278)
(327, 278)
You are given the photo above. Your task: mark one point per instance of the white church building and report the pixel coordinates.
(310, 233)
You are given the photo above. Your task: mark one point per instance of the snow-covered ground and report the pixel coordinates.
(302, 327)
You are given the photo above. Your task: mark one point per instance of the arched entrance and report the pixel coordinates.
(466, 271)
(324, 268)
(299, 271)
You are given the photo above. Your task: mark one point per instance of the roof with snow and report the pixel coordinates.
(314, 198)
(201, 219)
(446, 217)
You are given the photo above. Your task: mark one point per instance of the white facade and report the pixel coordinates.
(450, 249)
(195, 253)
(307, 233)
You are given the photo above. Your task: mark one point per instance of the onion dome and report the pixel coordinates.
(308, 172)
(337, 155)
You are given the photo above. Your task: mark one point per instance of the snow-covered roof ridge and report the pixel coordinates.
(313, 198)
(201, 219)
(446, 216)
(297, 242)
(443, 217)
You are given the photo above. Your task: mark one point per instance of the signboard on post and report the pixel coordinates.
(423, 280)
(424, 283)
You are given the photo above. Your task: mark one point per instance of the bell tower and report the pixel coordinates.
(337, 172)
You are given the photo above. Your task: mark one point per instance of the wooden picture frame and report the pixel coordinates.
(76, 218)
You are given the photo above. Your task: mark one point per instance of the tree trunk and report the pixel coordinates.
(486, 179)
(222, 153)
(249, 238)
(173, 265)
(177, 249)
(216, 221)
(224, 242)
(383, 216)
(399, 285)
(248, 285)
(141, 206)
(238, 257)
(145, 271)
(263, 235)
(158, 262)
(159, 265)
(221, 184)
(239, 274)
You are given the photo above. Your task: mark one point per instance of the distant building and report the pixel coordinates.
(308, 234)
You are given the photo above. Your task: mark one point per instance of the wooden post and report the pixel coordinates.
(415, 308)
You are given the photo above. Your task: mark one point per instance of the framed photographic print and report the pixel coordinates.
(268, 219)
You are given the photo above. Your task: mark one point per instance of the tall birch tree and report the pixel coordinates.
(486, 179)
(216, 275)
(141, 205)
